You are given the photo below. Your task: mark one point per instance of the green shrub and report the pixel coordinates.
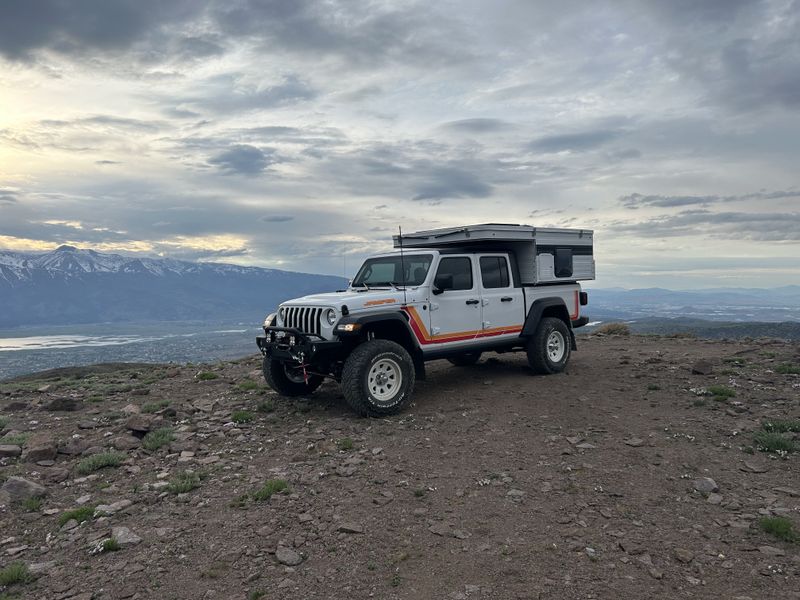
(770, 441)
(158, 439)
(266, 406)
(99, 461)
(345, 444)
(16, 572)
(270, 488)
(32, 504)
(782, 425)
(788, 369)
(152, 407)
(720, 392)
(779, 527)
(248, 385)
(110, 545)
(18, 439)
(614, 329)
(242, 416)
(3, 423)
(184, 482)
(207, 376)
(82, 514)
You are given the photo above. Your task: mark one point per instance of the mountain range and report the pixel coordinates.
(71, 286)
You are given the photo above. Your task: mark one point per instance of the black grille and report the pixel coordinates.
(304, 318)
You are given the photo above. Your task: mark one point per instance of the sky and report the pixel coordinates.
(299, 135)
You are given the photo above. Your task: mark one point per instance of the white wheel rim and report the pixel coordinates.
(556, 346)
(385, 379)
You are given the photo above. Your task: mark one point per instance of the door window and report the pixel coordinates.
(455, 273)
(494, 272)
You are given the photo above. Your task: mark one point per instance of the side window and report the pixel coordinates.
(494, 271)
(454, 274)
(563, 262)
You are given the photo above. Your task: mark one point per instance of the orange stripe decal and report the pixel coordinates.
(379, 302)
(425, 338)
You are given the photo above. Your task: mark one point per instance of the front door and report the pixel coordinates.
(455, 313)
(503, 306)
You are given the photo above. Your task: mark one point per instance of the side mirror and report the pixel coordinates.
(436, 290)
(442, 283)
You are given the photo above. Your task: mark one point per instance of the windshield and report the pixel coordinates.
(388, 270)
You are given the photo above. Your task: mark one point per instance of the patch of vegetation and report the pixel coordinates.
(788, 369)
(99, 461)
(732, 360)
(269, 489)
(419, 493)
(81, 515)
(613, 329)
(3, 423)
(721, 393)
(153, 407)
(184, 482)
(242, 416)
(214, 570)
(16, 572)
(256, 595)
(110, 545)
(395, 581)
(653, 387)
(248, 385)
(779, 527)
(265, 406)
(770, 441)
(207, 376)
(345, 444)
(782, 425)
(17, 439)
(32, 504)
(158, 439)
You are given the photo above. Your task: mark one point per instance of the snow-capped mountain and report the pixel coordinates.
(69, 286)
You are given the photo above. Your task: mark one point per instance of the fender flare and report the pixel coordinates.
(535, 315)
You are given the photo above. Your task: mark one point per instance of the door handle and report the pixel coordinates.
(506, 299)
(472, 301)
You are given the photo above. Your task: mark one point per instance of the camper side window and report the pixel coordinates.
(563, 262)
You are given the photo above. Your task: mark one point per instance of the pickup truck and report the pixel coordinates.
(442, 295)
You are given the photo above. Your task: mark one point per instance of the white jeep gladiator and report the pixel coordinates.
(445, 294)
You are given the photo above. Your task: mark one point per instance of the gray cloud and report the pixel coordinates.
(582, 141)
(226, 94)
(639, 200)
(277, 219)
(244, 159)
(8, 196)
(477, 126)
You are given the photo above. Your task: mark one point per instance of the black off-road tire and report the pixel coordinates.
(368, 397)
(278, 380)
(465, 360)
(550, 347)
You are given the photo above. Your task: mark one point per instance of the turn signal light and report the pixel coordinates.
(349, 327)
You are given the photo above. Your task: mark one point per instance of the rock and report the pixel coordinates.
(350, 528)
(125, 537)
(62, 405)
(439, 529)
(683, 555)
(111, 509)
(140, 391)
(19, 489)
(705, 485)
(287, 556)
(10, 451)
(771, 551)
(305, 518)
(514, 493)
(787, 490)
(41, 568)
(73, 447)
(131, 409)
(634, 442)
(754, 467)
(702, 367)
(126, 442)
(141, 423)
(714, 498)
(40, 451)
(206, 405)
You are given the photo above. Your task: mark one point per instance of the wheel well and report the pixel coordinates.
(557, 311)
(391, 330)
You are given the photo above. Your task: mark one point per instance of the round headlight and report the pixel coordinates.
(282, 314)
(269, 320)
(330, 316)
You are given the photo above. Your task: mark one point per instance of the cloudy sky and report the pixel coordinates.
(300, 134)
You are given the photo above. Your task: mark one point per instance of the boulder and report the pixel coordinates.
(19, 489)
(125, 537)
(62, 405)
(41, 451)
(9, 451)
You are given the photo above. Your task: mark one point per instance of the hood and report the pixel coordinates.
(354, 300)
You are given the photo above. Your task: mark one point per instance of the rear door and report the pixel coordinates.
(502, 304)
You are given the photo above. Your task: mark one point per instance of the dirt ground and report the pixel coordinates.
(495, 484)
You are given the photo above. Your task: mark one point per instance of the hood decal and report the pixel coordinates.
(380, 302)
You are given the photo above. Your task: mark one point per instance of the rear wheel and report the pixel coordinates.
(378, 378)
(288, 380)
(549, 348)
(465, 360)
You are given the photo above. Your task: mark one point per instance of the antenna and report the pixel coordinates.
(402, 264)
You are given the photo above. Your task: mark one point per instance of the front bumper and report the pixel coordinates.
(288, 343)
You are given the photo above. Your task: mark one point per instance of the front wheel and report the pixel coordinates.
(550, 346)
(378, 378)
(288, 380)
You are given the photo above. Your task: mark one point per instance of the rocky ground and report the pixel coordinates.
(654, 468)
